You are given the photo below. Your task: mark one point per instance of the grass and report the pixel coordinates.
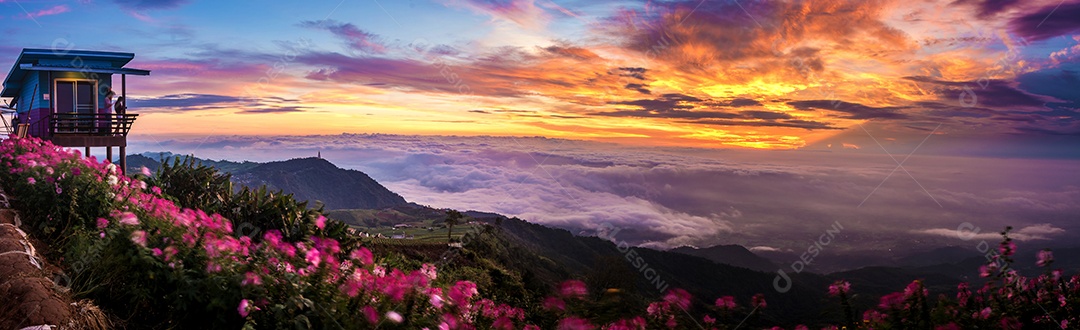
(420, 232)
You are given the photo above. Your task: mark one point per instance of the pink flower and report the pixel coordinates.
(169, 252)
(428, 270)
(363, 255)
(461, 292)
(1045, 258)
(709, 319)
(246, 307)
(146, 171)
(394, 317)
(436, 300)
(320, 222)
(251, 278)
(31, 180)
(1008, 323)
(950, 326)
(873, 316)
(503, 323)
(758, 301)
(102, 223)
(139, 237)
(554, 303)
(892, 300)
(839, 288)
(726, 302)
(632, 324)
(574, 323)
(801, 327)
(983, 314)
(1007, 248)
(678, 297)
(128, 218)
(573, 289)
(657, 308)
(312, 257)
(371, 314)
(914, 289)
(963, 294)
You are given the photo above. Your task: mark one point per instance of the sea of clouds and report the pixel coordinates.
(664, 197)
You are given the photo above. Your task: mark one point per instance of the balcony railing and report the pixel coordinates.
(97, 124)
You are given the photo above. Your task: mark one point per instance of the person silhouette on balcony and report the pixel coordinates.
(104, 117)
(120, 106)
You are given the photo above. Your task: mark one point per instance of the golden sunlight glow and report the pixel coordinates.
(699, 84)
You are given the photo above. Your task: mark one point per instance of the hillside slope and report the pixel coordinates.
(307, 179)
(317, 179)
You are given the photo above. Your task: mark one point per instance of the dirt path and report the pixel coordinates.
(29, 299)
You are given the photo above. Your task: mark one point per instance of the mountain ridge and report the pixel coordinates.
(730, 254)
(311, 179)
(555, 252)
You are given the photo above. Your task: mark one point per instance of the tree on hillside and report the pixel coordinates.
(453, 217)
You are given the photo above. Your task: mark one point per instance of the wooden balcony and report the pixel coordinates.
(85, 129)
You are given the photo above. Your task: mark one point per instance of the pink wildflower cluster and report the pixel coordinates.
(1007, 301)
(274, 271)
(840, 287)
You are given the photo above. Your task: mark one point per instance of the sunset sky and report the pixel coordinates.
(722, 73)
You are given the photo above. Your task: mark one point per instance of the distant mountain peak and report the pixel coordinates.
(731, 254)
(311, 179)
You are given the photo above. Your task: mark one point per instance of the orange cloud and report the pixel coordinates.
(765, 74)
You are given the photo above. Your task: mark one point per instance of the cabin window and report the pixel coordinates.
(76, 96)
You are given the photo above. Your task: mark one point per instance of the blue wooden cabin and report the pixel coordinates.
(64, 96)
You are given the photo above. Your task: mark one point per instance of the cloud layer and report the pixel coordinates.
(759, 74)
(667, 197)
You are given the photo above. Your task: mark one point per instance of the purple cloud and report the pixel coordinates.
(853, 110)
(989, 8)
(1048, 22)
(987, 93)
(201, 102)
(355, 37)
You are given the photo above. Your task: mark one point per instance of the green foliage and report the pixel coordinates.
(64, 200)
(194, 185)
(252, 210)
(453, 217)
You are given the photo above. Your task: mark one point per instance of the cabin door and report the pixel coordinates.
(76, 103)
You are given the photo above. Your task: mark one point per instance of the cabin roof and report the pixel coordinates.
(88, 61)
